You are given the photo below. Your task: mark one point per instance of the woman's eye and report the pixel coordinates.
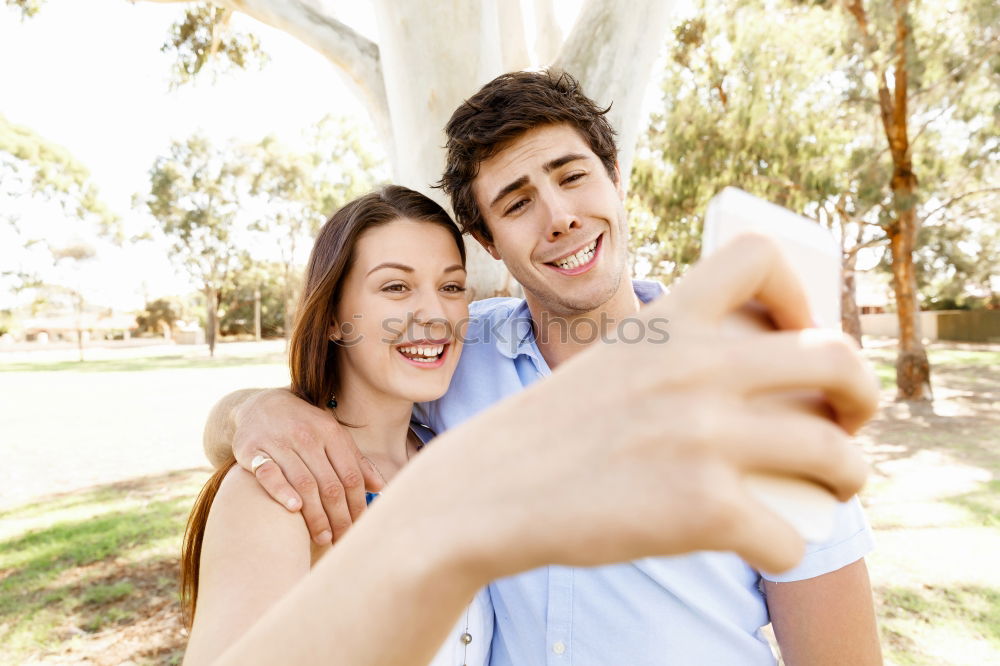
(396, 288)
(453, 288)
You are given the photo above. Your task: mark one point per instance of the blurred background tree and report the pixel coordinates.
(833, 112)
(299, 190)
(195, 194)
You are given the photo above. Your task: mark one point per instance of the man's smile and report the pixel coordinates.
(580, 260)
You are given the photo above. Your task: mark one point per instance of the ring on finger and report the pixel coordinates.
(257, 461)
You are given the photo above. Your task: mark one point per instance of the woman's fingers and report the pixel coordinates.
(812, 359)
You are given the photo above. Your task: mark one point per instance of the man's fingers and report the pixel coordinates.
(273, 481)
(750, 268)
(373, 478)
(811, 359)
(330, 492)
(302, 480)
(793, 443)
(766, 541)
(346, 461)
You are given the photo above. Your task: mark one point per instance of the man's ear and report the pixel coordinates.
(487, 244)
(619, 185)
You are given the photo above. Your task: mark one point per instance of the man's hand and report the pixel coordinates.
(315, 465)
(630, 450)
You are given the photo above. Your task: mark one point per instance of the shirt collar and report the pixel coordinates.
(516, 336)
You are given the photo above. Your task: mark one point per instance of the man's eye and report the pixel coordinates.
(572, 177)
(516, 206)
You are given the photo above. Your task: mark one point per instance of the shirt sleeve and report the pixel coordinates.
(852, 539)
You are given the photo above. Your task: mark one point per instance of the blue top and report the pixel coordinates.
(701, 608)
(425, 435)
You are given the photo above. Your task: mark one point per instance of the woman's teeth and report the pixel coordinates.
(578, 259)
(422, 353)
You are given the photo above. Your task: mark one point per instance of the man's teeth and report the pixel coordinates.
(578, 259)
(422, 353)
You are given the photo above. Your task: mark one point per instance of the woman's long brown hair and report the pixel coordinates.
(311, 354)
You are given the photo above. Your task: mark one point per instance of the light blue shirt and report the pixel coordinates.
(702, 608)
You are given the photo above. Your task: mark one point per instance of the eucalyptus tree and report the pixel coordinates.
(195, 195)
(834, 109)
(299, 189)
(430, 55)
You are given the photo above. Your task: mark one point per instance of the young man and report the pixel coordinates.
(533, 176)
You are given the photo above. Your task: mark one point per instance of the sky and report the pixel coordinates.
(90, 76)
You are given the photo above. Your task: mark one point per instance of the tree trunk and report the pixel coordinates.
(913, 370)
(211, 318)
(849, 318)
(256, 314)
(912, 367)
(433, 54)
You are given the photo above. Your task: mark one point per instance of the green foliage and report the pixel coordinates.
(158, 313)
(779, 98)
(31, 165)
(203, 38)
(28, 8)
(238, 299)
(195, 195)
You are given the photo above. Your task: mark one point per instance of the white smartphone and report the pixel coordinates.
(814, 255)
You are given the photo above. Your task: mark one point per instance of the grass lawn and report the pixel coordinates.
(89, 575)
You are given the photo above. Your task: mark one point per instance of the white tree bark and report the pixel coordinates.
(433, 54)
(611, 50)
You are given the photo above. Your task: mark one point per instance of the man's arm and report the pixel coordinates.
(542, 477)
(217, 438)
(316, 466)
(826, 620)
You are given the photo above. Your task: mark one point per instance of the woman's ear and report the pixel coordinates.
(334, 332)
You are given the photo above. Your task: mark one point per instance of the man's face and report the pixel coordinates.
(557, 219)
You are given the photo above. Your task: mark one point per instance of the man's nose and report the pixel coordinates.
(561, 217)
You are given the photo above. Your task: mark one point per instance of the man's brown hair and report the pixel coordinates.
(503, 110)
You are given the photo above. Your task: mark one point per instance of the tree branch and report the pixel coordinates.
(613, 51)
(313, 24)
(958, 198)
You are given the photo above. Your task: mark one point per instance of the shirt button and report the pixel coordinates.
(558, 647)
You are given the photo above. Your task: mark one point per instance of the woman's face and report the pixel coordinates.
(401, 310)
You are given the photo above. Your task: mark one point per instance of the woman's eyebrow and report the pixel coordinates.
(389, 264)
(456, 267)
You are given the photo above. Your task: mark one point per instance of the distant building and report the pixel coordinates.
(101, 324)
(872, 292)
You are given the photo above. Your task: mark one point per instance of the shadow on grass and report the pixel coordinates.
(962, 421)
(909, 617)
(110, 573)
(983, 504)
(174, 362)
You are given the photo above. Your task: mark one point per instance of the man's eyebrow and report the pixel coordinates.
(510, 187)
(547, 167)
(560, 161)
(389, 264)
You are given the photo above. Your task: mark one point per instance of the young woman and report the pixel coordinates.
(378, 328)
